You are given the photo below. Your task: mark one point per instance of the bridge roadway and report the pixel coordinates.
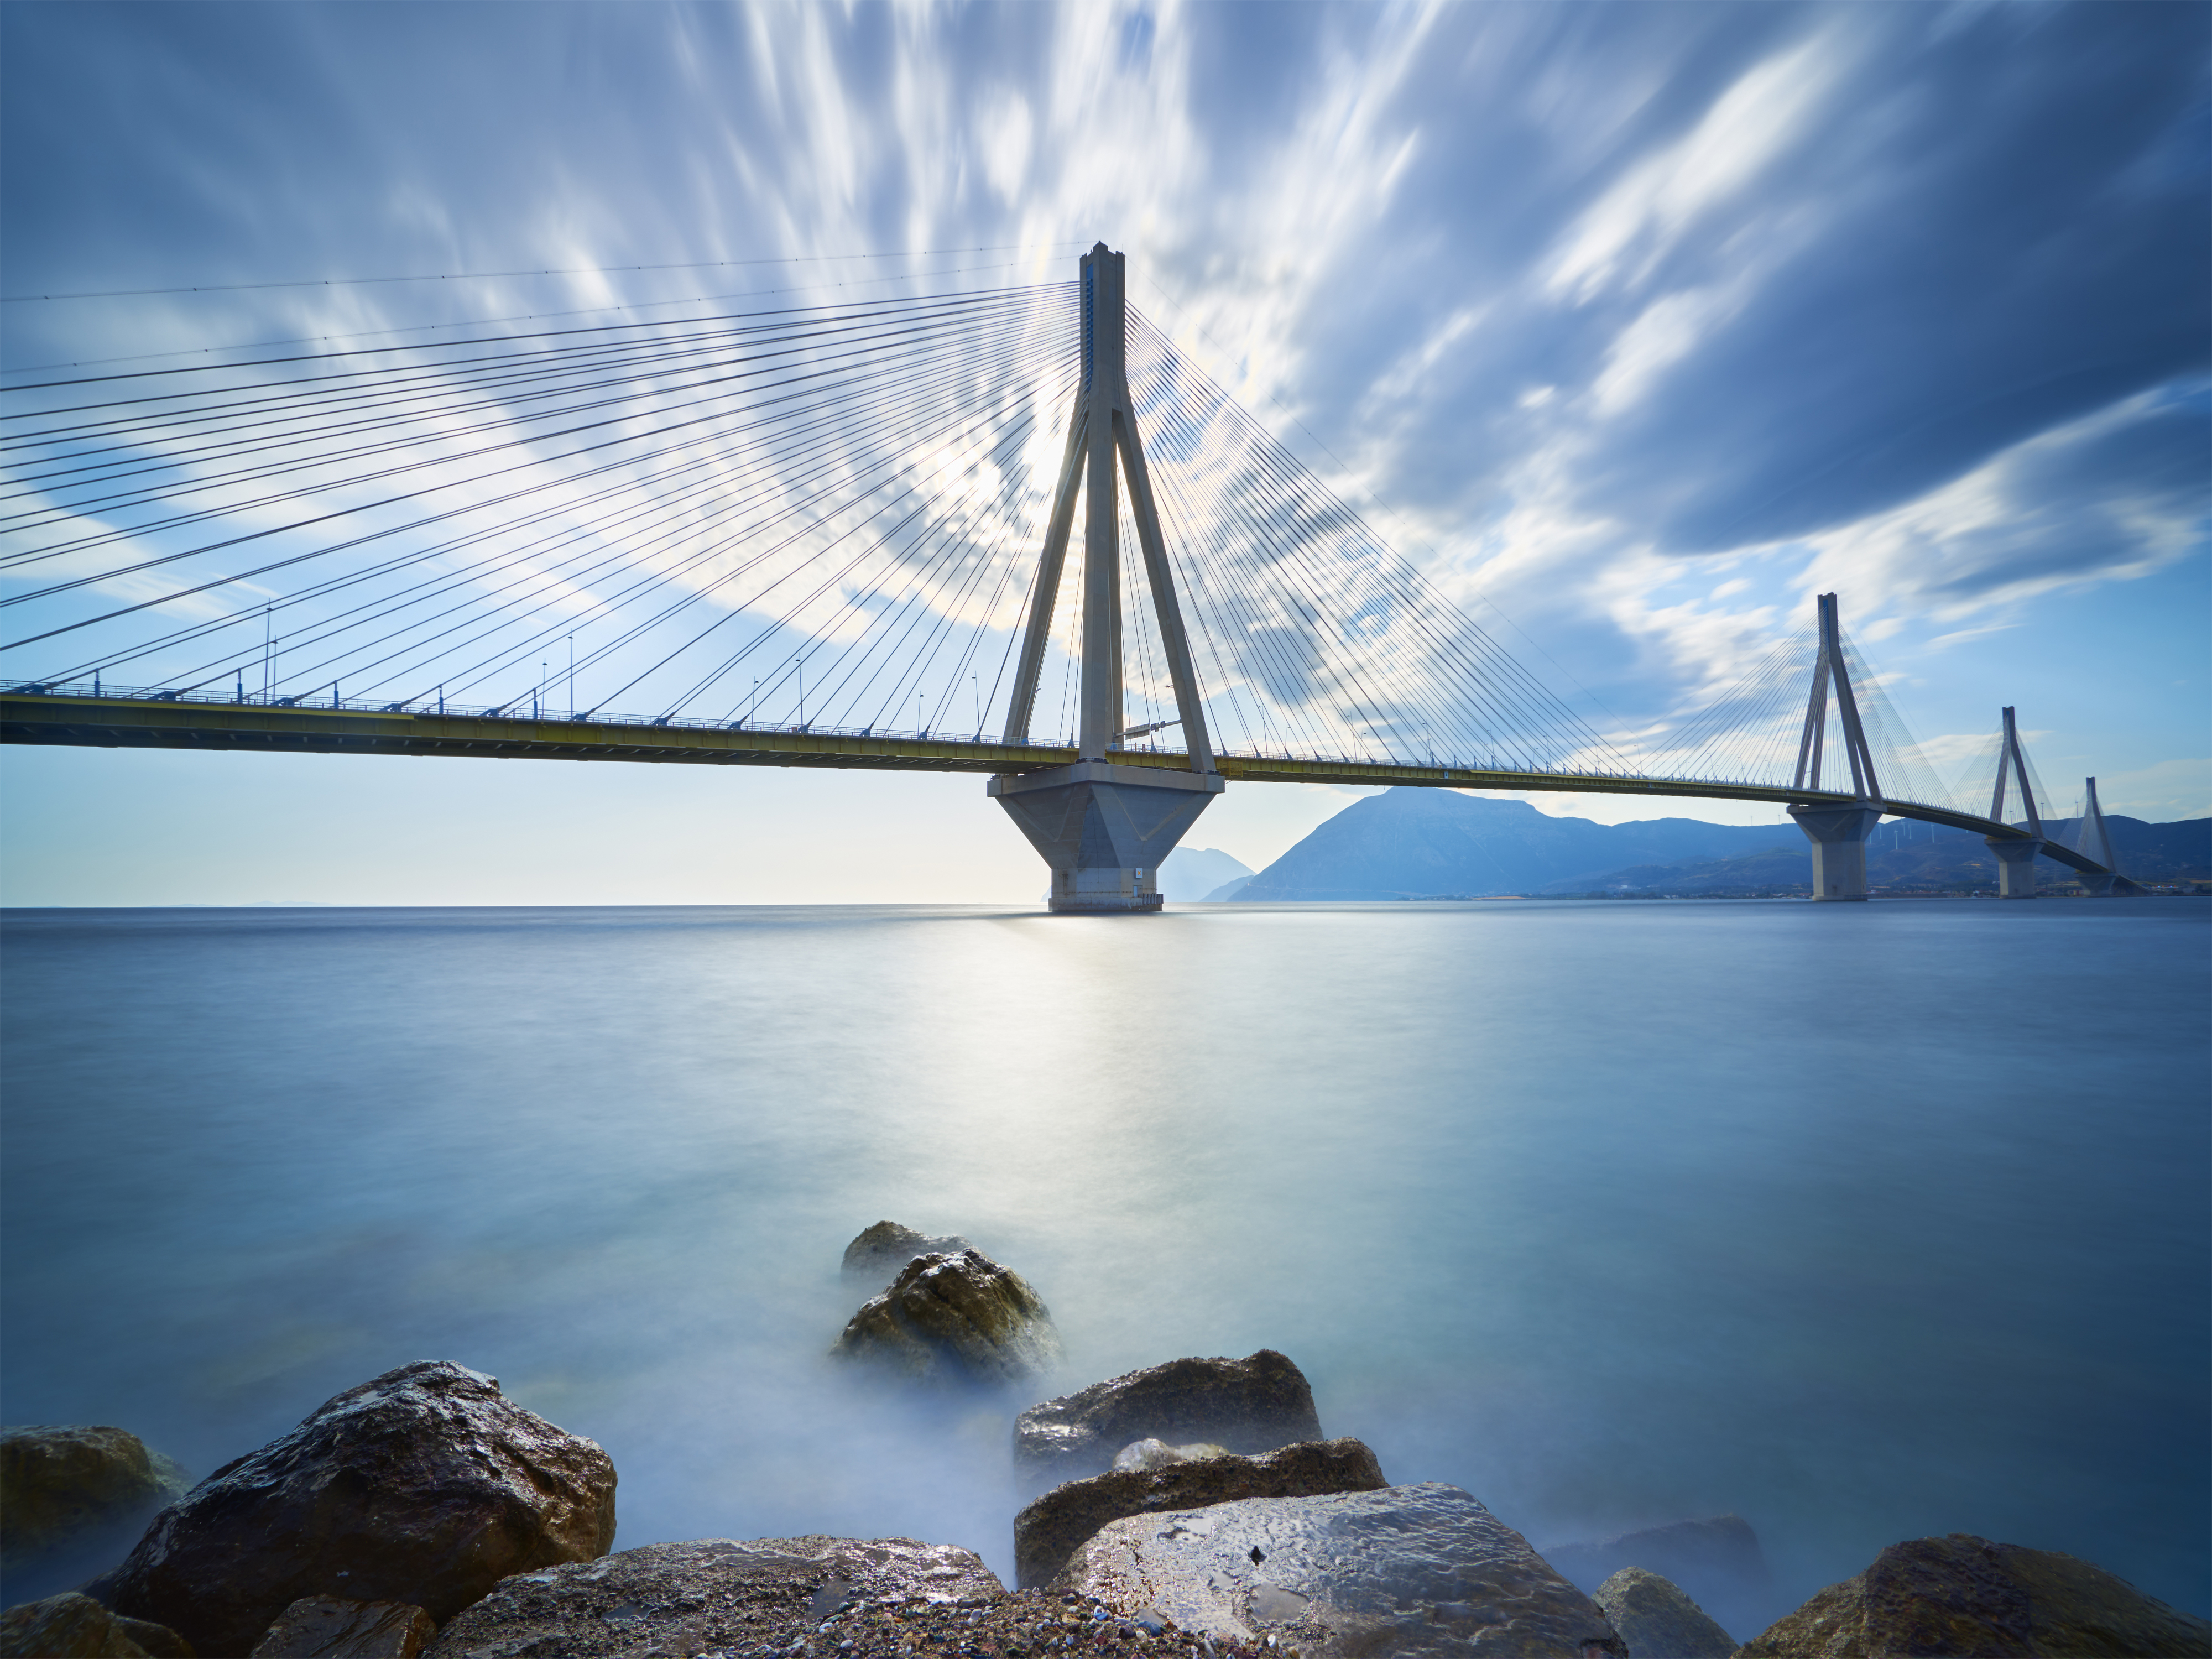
(81, 720)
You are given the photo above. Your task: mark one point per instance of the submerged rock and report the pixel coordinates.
(1966, 1596)
(74, 1626)
(1717, 1560)
(1416, 1569)
(879, 1254)
(331, 1628)
(709, 1594)
(422, 1486)
(1657, 1620)
(958, 1318)
(1048, 1532)
(1158, 1455)
(1250, 1405)
(58, 1483)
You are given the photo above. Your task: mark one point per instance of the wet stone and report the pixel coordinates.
(1250, 1405)
(1422, 1569)
(892, 1598)
(331, 1627)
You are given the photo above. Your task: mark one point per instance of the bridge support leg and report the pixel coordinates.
(2015, 866)
(1838, 835)
(1104, 828)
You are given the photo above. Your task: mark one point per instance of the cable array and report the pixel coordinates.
(791, 516)
(825, 516)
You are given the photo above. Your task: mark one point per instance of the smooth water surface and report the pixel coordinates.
(1865, 1222)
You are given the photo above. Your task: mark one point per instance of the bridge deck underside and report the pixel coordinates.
(121, 723)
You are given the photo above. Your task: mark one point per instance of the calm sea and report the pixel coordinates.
(1863, 1222)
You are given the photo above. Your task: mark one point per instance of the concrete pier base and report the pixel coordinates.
(2015, 866)
(1104, 828)
(1838, 835)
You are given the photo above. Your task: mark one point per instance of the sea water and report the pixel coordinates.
(1863, 1222)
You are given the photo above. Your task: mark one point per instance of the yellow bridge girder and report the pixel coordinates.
(110, 722)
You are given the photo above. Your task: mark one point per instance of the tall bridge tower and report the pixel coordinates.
(1838, 833)
(1105, 828)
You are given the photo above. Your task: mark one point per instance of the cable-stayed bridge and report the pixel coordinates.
(1014, 531)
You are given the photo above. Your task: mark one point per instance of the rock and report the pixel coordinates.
(958, 1318)
(1657, 1620)
(1158, 1455)
(1716, 1560)
(74, 1626)
(57, 1484)
(1967, 1597)
(1249, 1405)
(712, 1594)
(879, 1255)
(1047, 1533)
(1422, 1569)
(329, 1627)
(422, 1485)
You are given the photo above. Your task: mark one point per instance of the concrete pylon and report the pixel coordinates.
(1101, 826)
(1838, 833)
(2015, 855)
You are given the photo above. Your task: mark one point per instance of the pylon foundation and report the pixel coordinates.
(1838, 835)
(1104, 828)
(2015, 865)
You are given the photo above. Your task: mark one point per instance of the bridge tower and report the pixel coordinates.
(2016, 857)
(1103, 826)
(1839, 833)
(2092, 840)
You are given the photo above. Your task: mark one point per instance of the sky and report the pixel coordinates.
(1635, 326)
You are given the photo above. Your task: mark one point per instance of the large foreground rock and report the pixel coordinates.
(1716, 1560)
(880, 1253)
(699, 1597)
(424, 1485)
(58, 1483)
(1250, 1405)
(958, 1318)
(1412, 1570)
(1657, 1620)
(1048, 1532)
(74, 1626)
(1967, 1597)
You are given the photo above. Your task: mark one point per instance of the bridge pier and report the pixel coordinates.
(1838, 835)
(1104, 828)
(2015, 865)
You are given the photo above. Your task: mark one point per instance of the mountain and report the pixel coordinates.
(1435, 843)
(1191, 873)
(1907, 858)
(1426, 843)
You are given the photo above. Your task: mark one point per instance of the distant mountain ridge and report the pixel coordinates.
(1918, 858)
(1422, 843)
(1435, 843)
(1192, 873)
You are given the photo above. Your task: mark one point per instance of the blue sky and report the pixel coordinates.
(1635, 325)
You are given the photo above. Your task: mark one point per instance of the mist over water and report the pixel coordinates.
(1865, 1222)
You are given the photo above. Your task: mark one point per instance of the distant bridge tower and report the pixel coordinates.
(2016, 857)
(1839, 833)
(1104, 827)
(2093, 840)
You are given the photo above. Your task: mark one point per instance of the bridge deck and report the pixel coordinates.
(131, 722)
